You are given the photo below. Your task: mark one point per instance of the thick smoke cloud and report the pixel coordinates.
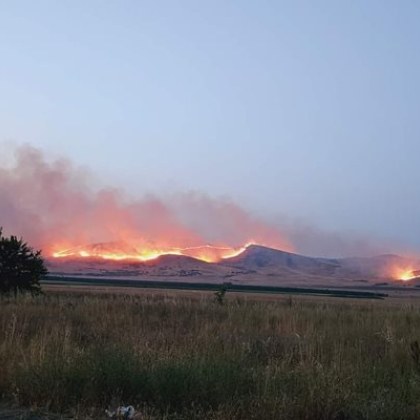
(53, 205)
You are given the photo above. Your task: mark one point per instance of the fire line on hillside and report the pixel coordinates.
(119, 252)
(260, 259)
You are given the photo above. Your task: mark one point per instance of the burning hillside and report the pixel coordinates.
(54, 206)
(406, 274)
(252, 264)
(121, 252)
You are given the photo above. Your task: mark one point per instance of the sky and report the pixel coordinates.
(306, 113)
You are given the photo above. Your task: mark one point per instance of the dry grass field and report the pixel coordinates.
(176, 356)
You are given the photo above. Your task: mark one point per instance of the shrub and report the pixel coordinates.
(21, 268)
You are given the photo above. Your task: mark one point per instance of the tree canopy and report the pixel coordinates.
(21, 267)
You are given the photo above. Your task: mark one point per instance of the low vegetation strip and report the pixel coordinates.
(51, 279)
(176, 357)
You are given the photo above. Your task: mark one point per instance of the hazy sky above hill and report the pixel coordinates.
(305, 111)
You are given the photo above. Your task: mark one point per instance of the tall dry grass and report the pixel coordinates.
(180, 357)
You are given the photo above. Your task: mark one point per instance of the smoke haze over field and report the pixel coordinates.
(54, 205)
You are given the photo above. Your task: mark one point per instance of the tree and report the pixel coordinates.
(21, 268)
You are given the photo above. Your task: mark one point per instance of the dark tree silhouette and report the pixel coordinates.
(21, 268)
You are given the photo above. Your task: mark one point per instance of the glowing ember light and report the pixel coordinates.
(235, 252)
(144, 256)
(118, 252)
(407, 275)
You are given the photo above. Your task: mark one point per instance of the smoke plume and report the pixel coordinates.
(53, 206)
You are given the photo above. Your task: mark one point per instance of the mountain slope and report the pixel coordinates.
(258, 257)
(256, 265)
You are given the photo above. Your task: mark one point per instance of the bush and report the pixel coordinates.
(21, 268)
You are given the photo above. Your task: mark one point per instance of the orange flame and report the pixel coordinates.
(404, 273)
(207, 253)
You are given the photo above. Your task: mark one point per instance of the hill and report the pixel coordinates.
(256, 265)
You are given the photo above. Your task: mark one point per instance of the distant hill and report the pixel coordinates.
(259, 257)
(256, 265)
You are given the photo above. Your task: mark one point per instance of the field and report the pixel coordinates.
(186, 356)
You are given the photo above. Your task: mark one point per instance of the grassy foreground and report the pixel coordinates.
(176, 357)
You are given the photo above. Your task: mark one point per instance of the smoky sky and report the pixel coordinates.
(52, 203)
(55, 204)
(303, 113)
